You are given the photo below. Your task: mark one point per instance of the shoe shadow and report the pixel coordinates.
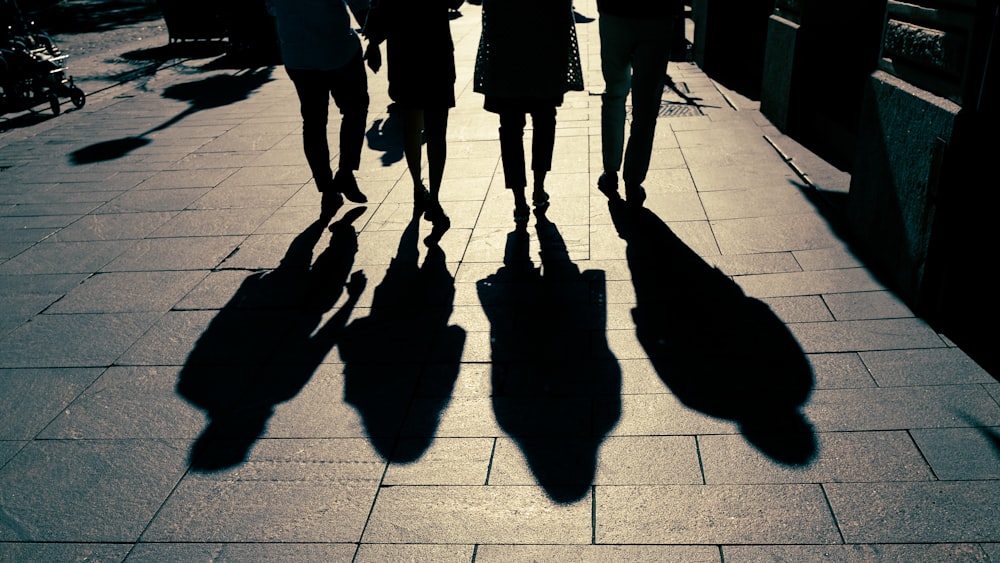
(264, 345)
(719, 351)
(401, 361)
(555, 383)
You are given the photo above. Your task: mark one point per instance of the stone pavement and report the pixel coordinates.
(194, 368)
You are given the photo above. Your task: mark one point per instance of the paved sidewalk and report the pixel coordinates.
(193, 368)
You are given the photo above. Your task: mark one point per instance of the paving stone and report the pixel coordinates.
(961, 454)
(447, 461)
(400, 552)
(866, 305)
(480, 515)
(799, 309)
(128, 292)
(752, 203)
(117, 226)
(962, 552)
(178, 253)
(748, 264)
(924, 367)
(33, 397)
(935, 512)
(19, 309)
(664, 415)
(840, 457)
(903, 407)
(808, 283)
(65, 257)
(173, 179)
(213, 222)
(8, 449)
(85, 340)
(63, 552)
(239, 552)
(714, 514)
(87, 490)
(846, 336)
(135, 201)
(286, 491)
(598, 553)
(840, 371)
(128, 402)
(322, 408)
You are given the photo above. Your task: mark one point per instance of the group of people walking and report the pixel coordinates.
(528, 59)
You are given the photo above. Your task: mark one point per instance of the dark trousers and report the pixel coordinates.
(348, 86)
(512, 122)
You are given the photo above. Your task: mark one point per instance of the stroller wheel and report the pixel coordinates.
(77, 96)
(54, 103)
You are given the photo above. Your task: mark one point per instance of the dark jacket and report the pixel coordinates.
(659, 9)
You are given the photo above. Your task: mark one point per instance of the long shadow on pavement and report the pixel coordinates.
(401, 361)
(719, 351)
(211, 92)
(263, 347)
(556, 386)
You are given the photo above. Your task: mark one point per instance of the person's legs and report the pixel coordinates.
(349, 87)
(649, 69)
(512, 156)
(314, 103)
(413, 128)
(436, 132)
(616, 52)
(543, 122)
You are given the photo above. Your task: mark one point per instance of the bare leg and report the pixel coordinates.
(413, 127)
(436, 123)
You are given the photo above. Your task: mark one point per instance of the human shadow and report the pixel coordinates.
(147, 61)
(386, 136)
(555, 383)
(401, 361)
(719, 351)
(211, 92)
(265, 344)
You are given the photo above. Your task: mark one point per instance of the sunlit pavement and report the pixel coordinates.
(193, 367)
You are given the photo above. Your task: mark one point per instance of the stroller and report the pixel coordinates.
(32, 68)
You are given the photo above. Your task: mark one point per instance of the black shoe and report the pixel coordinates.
(332, 202)
(635, 195)
(433, 211)
(347, 184)
(608, 185)
(440, 223)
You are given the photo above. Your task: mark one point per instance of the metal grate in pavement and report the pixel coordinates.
(673, 109)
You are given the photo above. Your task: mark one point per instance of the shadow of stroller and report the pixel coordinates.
(402, 360)
(261, 350)
(212, 92)
(720, 352)
(556, 385)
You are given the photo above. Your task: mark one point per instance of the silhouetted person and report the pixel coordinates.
(402, 359)
(636, 37)
(421, 56)
(322, 55)
(528, 59)
(555, 384)
(263, 347)
(719, 351)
